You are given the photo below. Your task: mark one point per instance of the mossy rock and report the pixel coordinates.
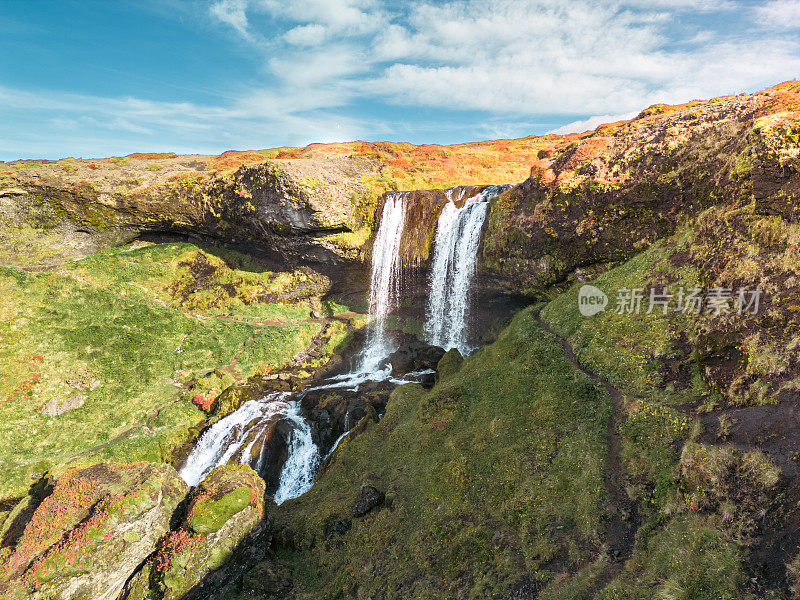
(225, 509)
(450, 363)
(210, 515)
(95, 529)
(227, 490)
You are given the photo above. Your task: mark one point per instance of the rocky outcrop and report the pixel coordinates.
(610, 193)
(282, 211)
(335, 411)
(91, 533)
(415, 355)
(369, 497)
(195, 559)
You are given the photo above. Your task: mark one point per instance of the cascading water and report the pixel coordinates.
(384, 280)
(455, 254)
(300, 469)
(233, 437)
(458, 235)
(226, 437)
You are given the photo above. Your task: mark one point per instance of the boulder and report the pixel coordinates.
(415, 356)
(449, 364)
(91, 533)
(368, 498)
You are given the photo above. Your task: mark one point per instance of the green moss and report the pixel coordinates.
(622, 347)
(209, 515)
(449, 364)
(98, 335)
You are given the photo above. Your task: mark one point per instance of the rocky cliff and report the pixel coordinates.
(608, 194)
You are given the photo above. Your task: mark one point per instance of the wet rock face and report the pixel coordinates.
(415, 355)
(333, 412)
(91, 533)
(270, 451)
(423, 208)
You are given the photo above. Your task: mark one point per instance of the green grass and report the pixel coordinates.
(129, 357)
(623, 348)
(493, 473)
(688, 547)
(210, 282)
(629, 350)
(690, 559)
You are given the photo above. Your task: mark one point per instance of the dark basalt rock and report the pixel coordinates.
(339, 528)
(270, 451)
(332, 412)
(368, 498)
(415, 356)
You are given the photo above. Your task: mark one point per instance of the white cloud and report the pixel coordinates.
(591, 123)
(513, 57)
(306, 35)
(350, 16)
(318, 67)
(779, 14)
(515, 61)
(233, 13)
(546, 57)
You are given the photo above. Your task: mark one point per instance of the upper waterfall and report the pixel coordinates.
(384, 280)
(458, 235)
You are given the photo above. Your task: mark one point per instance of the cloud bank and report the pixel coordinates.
(341, 69)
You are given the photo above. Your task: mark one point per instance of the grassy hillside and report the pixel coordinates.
(494, 480)
(113, 356)
(495, 473)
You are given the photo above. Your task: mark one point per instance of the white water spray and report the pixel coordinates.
(225, 438)
(300, 469)
(458, 235)
(384, 281)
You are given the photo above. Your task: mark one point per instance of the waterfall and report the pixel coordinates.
(300, 469)
(456, 244)
(384, 280)
(458, 235)
(221, 443)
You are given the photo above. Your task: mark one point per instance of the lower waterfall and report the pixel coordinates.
(224, 440)
(300, 469)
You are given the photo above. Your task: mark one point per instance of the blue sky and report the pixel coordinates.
(94, 78)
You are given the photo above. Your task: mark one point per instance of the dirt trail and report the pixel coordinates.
(623, 518)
